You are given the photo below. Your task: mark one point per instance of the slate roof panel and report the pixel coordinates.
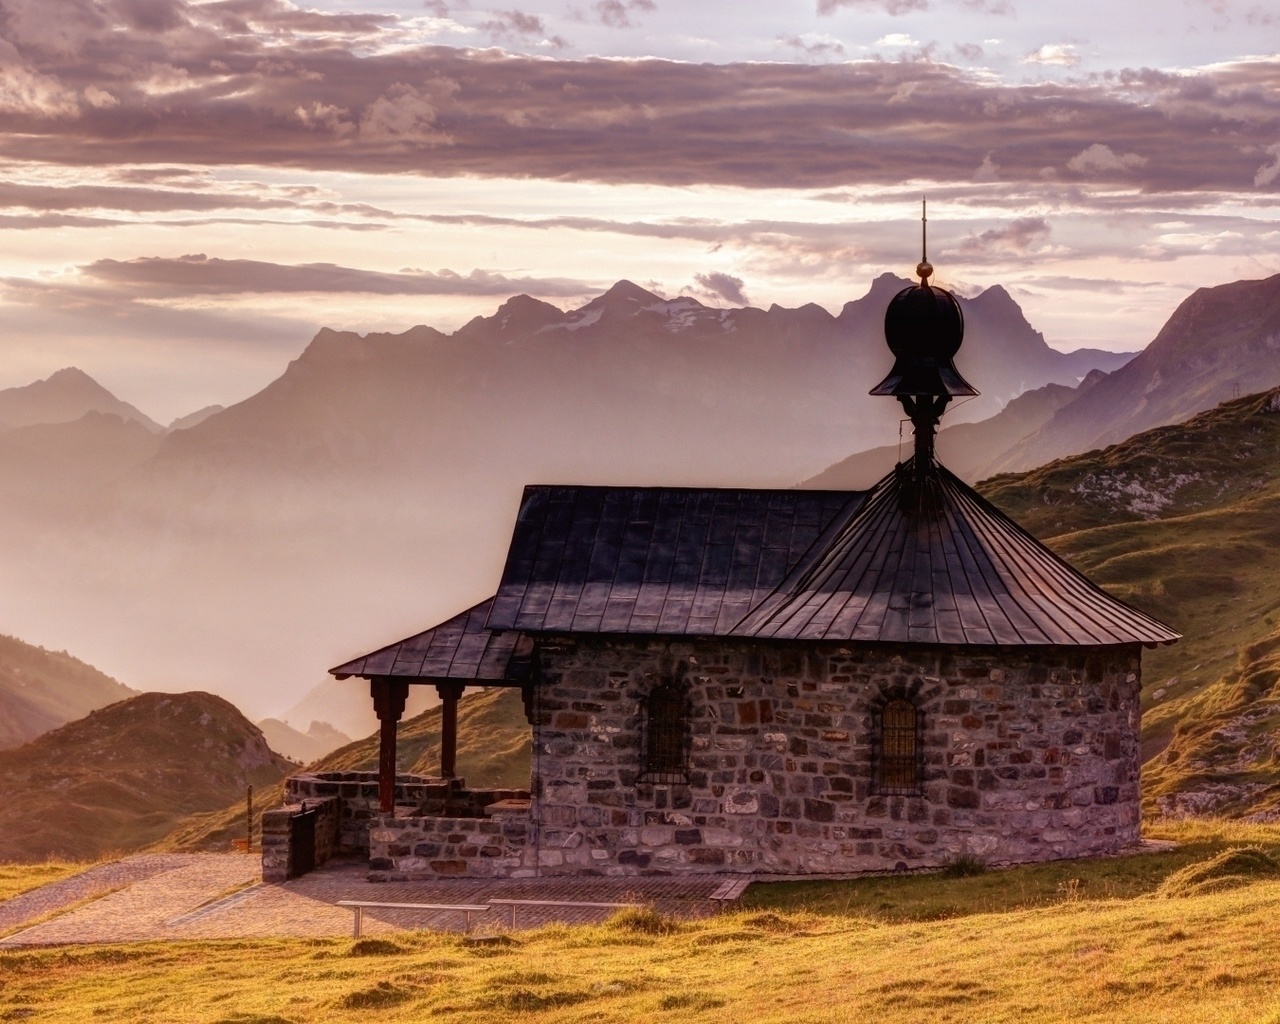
(677, 561)
(460, 649)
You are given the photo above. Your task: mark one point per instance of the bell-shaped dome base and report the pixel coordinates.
(924, 376)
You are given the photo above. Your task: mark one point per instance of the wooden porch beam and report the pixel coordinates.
(389, 696)
(450, 694)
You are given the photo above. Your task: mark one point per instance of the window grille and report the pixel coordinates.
(666, 736)
(900, 768)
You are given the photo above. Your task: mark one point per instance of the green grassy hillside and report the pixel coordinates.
(493, 751)
(1184, 521)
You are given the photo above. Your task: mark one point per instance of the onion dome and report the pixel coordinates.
(924, 327)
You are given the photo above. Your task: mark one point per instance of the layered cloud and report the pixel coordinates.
(264, 82)
(199, 274)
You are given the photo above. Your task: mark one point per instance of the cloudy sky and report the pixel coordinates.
(189, 189)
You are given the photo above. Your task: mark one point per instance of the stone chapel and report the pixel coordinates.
(765, 682)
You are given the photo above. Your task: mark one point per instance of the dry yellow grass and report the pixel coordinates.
(1208, 958)
(15, 879)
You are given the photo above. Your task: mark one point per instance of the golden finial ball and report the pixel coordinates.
(925, 270)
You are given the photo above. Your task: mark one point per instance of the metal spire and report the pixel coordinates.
(925, 268)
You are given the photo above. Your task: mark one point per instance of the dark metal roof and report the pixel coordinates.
(655, 560)
(460, 648)
(965, 574)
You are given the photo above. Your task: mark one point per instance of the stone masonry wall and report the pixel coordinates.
(431, 847)
(1029, 755)
(277, 852)
(358, 800)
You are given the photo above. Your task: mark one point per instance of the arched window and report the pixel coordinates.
(666, 735)
(900, 765)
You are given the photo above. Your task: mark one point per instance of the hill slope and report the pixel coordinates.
(1218, 341)
(1184, 521)
(41, 690)
(122, 777)
(493, 752)
(53, 468)
(965, 448)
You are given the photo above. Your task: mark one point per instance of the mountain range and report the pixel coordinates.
(369, 490)
(1219, 343)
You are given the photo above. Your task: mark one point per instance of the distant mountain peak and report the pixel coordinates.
(71, 375)
(624, 293)
(62, 397)
(522, 305)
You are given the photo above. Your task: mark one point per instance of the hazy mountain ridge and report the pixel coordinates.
(556, 371)
(965, 448)
(320, 739)
(192, 418)
(62, 397)
(41, 690)
(370, 489)
(122, 777)
(1219, 342)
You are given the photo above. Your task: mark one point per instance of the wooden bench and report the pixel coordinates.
(729, 891)
(557, 903)
(466, 909)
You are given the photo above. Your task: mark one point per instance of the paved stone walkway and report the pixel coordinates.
(219, 896)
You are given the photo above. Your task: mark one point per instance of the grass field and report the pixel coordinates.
(15, 879)
(1189, 935)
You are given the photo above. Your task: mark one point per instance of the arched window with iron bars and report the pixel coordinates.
(899, 769)
(666, 739)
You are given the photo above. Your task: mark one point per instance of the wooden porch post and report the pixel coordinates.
(389, 696)
(450, 693)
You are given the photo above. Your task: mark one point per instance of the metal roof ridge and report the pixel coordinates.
(1022, 592)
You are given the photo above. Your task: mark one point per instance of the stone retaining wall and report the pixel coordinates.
(431, 847)
(443, 821)
(357, 794)
(278, 856)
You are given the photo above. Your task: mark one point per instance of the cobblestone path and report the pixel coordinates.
(150, 890)
(219, 896)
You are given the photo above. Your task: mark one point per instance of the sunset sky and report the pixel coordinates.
(189, 190)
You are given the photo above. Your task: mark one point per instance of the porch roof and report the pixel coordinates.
(459, 649)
